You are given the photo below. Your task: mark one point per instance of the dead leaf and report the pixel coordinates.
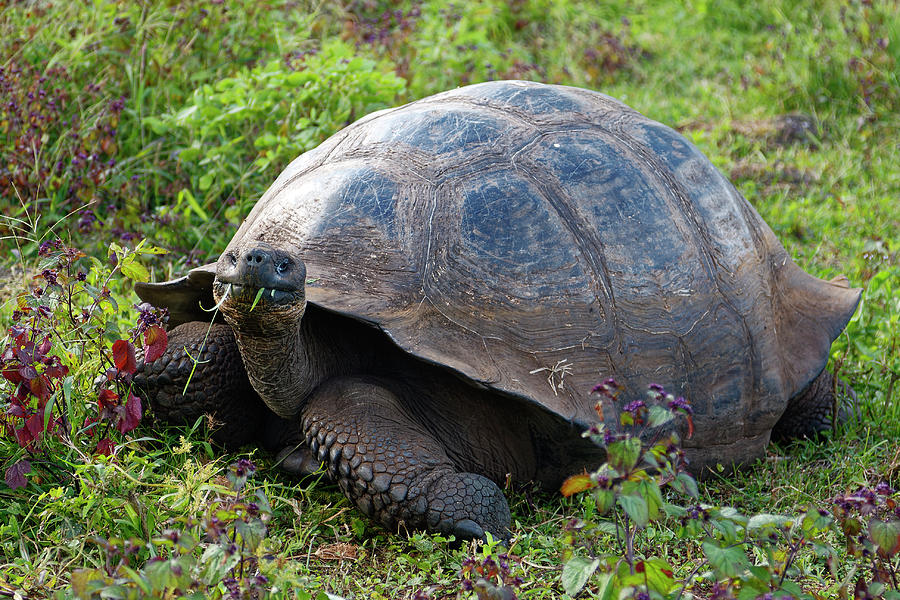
(337, 551)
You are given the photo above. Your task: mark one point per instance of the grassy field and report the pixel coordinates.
(127, 121)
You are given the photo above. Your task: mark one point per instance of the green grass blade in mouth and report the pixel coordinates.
(219, 303)
(258, 296)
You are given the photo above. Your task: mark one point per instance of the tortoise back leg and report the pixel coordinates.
(810, 412)
(393, 469)
(218, 387)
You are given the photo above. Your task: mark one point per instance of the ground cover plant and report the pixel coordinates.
(122, 122)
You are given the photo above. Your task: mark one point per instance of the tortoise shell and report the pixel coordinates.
(537, 239)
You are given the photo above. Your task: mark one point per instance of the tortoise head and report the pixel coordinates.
(260, 289)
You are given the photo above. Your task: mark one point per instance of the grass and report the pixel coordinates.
(720, 72)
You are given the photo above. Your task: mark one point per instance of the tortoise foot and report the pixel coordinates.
(467, 506)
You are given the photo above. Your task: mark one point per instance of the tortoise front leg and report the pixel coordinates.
(218, 387)
(393, 469)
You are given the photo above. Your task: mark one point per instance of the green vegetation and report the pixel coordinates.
(164, 121)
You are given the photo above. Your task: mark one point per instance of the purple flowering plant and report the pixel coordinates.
(645, 468)
(60, 329)
(494, 575)
(643, 456)
(869, 518)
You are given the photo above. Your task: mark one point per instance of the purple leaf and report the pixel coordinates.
(105, 447)
(155, 340)
(15, 475)
(132, 415)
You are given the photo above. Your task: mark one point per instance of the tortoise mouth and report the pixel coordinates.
(243, 297)
(258, 277)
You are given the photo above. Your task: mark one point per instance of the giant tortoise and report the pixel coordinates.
(424, 301)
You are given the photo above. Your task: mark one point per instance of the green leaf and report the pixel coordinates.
(143, 248)
(256, 299)
(205, 181)
(762, 575)
(732, 514)
(814, 522)
(659, 415)
(606, 586)
(115, 592)
(636, 508)
(686, 484)
(793, 589)
(673, 510)
(252, 532)
(137, 578)
(187, 541)
(157, 126)
(188, 154)
(84, 581)
(187, 113)
(605, 500)
(67, 386)
(749, 593)
(659, 575)
(262, 503)
(134, 270)
(624, 454)
(766, 523)
(358, 526)
(266, 140)
(723, 522)
(48, 409)
(610, 528)
(649, 490)
(727, 562)
(185, 194)
(159, 575)
(576, 573)
(215, 563)
(886, 534)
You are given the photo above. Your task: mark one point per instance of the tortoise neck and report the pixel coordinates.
(284, 366)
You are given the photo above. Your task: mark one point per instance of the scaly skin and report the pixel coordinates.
(809, 413)
(383, 458)
(219, 388)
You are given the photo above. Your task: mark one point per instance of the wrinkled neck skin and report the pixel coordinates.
(284, 360)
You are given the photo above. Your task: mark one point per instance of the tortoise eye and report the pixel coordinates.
(283, 266)
(232, 257)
